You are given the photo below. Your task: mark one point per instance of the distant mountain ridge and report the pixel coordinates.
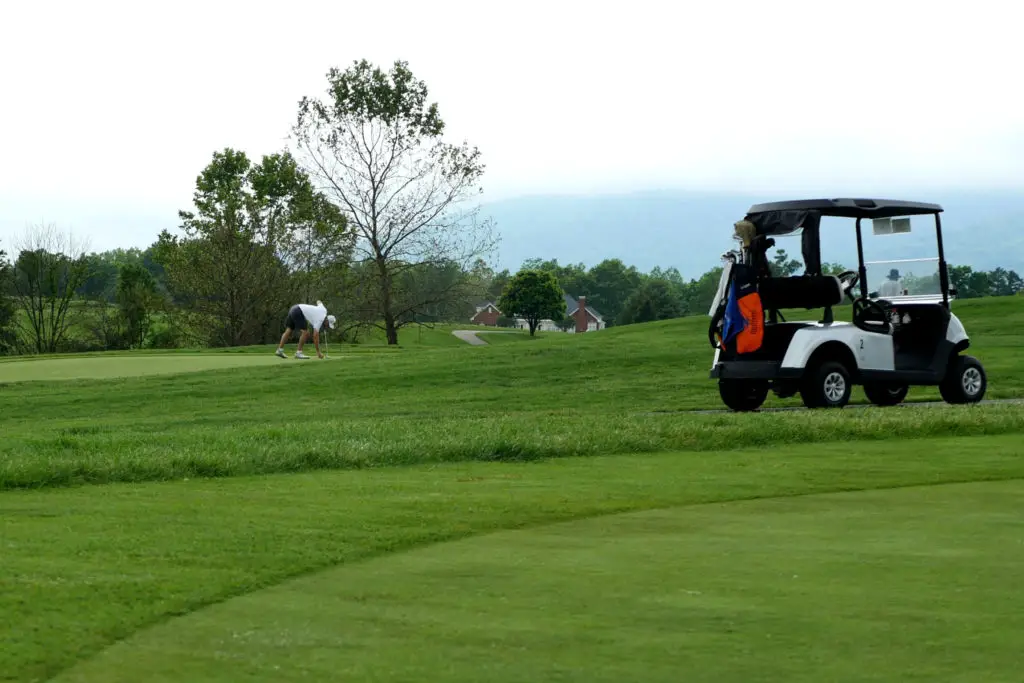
(690, 230)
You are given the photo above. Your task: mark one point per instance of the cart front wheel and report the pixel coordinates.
(965, 381)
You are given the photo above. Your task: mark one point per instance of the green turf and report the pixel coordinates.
(84, 567)
(905, 584)
(81, 568)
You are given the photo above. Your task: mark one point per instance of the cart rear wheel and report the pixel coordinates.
(743, 395)
(886, 394)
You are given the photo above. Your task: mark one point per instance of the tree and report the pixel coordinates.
(1004, 282)
(319, 249)
(434, 292)
(232, 267)
(8, 338)
(970, 284)
(573, 278)
(497, 284)
(102, 278)
(612, 282)
(533, 295)
(375, 146)
(783, 266)
(136, 298)
(50, 268)
(700, 293)
(655, 300)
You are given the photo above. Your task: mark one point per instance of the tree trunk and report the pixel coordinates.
(390, 328)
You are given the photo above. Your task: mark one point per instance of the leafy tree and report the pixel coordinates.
(137, 298)
(533, 295)
(783, 266)
(230, 267)
(434, 292)
(376, 146)
(8, 338)
(319, 249)
(701, 292)
(497, 284)
(573, 278)
(1004, 282)
(50, 268)
(833, 268)
(611, 283)
(102, 278)
(655, 300)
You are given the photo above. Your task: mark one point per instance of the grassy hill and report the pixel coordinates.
(555, 395)
(187, 525)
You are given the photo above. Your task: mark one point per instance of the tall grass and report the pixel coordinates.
(98, 455)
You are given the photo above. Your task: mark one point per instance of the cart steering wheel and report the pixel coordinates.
(847, 280)
(861, 307)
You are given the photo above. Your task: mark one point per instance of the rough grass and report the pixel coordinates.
(617, 391)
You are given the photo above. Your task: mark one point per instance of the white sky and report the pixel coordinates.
(108, 110)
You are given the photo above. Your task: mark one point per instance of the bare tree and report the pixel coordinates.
(50, 268)
(375, 148)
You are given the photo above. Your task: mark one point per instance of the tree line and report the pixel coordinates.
(370, 210)
(212, 289)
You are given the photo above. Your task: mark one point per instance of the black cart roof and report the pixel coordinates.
(849, 208)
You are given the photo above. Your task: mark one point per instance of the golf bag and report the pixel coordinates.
(741, 317)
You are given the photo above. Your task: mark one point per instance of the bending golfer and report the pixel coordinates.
(305, 317)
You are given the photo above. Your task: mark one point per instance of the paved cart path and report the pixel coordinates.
(470, 336)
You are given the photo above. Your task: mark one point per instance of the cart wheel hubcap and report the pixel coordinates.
(835, 387)
(971, 381)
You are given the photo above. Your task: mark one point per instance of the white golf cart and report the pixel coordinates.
(903, 334)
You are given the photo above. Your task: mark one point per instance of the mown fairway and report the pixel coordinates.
(215, 484)
(123, 365)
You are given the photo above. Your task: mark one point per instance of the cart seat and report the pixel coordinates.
(800, 291)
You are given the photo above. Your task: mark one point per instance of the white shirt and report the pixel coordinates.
(890, 288)
(315, 315)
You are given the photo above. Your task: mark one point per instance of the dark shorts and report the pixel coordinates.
(295, 319)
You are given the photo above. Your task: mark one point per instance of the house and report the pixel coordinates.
(587, 319)
(486, 314)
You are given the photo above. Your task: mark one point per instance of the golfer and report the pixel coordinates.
(892, 286)
(305, 317)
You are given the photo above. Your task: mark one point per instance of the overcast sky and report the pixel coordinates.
(108, 110)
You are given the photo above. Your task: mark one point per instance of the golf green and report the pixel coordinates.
(117, 366)
(899, 584)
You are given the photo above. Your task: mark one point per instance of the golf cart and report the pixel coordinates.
(901, 335)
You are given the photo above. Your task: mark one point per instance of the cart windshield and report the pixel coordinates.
(901, 259)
